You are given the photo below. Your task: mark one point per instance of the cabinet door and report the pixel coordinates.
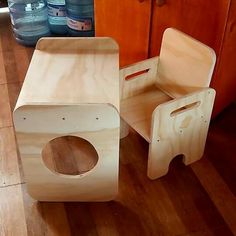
(128, 22)
(224, 80)
(205, 20)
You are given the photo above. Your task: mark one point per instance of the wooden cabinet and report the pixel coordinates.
(202, 19)
(138, 25)
(128, 22)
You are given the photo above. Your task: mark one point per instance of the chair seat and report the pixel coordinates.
(137, 110)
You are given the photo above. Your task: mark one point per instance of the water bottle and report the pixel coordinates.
(57, 16)
(80, 17)
(29, 20)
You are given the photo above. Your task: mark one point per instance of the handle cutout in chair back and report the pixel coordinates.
(136, 74)
(185, 108)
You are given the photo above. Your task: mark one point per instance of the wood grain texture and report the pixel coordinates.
(5, 109)
(220, 194)
(185, 65)
(128, 22)
(21, 69)
(137, 110)
(176, 131)
(54, 216)
(13, 93)
(224, 81)
(82, 103)
(9, 162)
(139, 83)
(91, 66)
(31, 145)
(2, 69)
(69, 155)
(197, 19)
(190, 200)
(182, 70)
(212, 24)
(36, 225)
(12, 216)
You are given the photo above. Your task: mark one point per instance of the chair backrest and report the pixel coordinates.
(184, 65)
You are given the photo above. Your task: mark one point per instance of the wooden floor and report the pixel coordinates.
(194, 200)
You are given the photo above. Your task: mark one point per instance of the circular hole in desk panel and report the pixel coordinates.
(69, 155)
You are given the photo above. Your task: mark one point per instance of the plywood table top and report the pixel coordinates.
(72, 71)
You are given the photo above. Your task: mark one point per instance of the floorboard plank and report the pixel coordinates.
(36, 226)
(9, 162)
(2, 69)
(5, 110)
(12, 215)
(55, 217)
(218, 191)
(13, 93)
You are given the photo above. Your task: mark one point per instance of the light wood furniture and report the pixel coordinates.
(211, 22)
(71, 89)
(207, 188)
(168, 102)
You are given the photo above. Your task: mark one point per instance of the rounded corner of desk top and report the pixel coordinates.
(55, 43)
(17, 109)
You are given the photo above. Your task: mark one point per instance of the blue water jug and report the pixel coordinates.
(57, 16)
(29, 20)
(80, 17)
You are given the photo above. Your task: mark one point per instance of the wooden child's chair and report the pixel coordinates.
(71, 89)
(167, 100)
